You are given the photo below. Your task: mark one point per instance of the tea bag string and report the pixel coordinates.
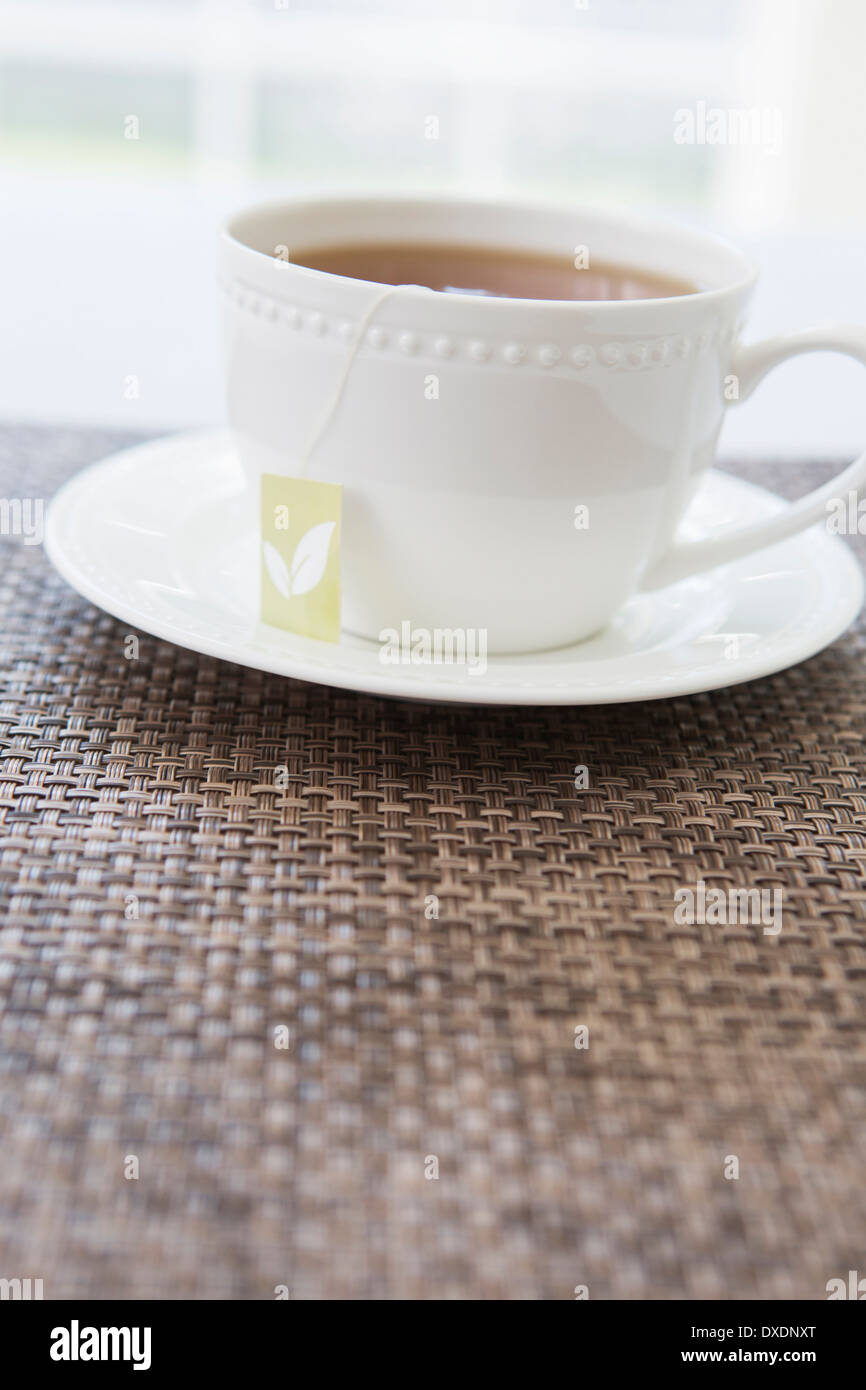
(337, 394)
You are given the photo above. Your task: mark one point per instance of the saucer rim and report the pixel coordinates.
(289, 659)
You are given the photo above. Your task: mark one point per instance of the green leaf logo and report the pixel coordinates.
(308, 561)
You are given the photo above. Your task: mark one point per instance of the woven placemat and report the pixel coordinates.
(172, 914)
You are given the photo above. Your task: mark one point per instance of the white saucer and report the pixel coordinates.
(150, 535)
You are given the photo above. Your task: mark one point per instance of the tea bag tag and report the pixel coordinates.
(301, 556)
(300, 528)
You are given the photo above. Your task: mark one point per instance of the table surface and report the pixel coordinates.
(170, 916)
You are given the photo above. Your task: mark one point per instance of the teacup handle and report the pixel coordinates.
(750, 366)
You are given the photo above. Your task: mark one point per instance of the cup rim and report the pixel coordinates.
(234, 232)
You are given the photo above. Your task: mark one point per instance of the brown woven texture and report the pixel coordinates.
(303, 906)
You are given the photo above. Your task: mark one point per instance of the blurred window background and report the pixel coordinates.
(128, 129)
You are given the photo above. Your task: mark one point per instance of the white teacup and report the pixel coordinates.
(471, 430)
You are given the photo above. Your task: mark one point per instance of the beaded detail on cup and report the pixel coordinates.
(628, 354)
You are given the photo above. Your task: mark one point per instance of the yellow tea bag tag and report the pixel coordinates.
(301, 525)
(301, 556)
